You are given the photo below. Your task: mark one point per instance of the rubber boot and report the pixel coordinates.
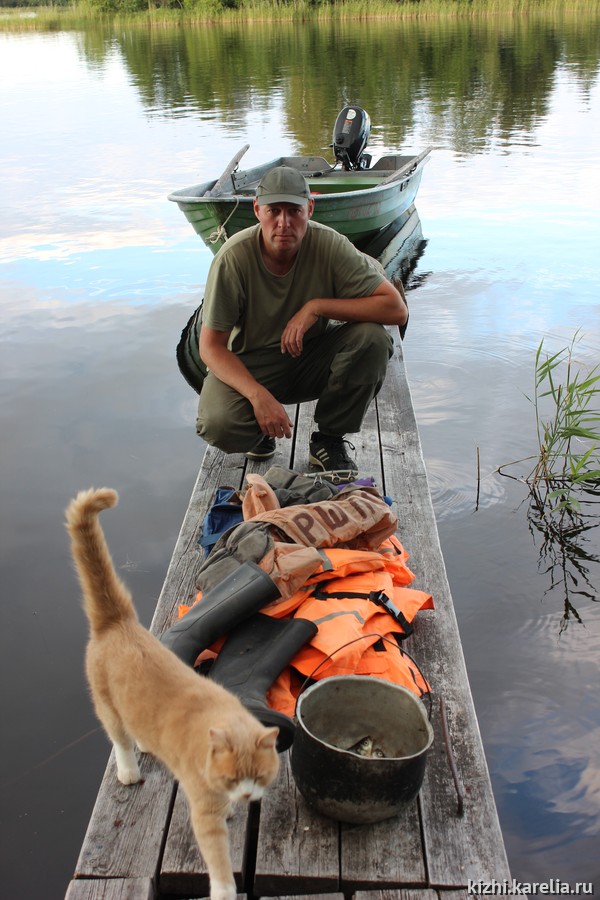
(253, 656)
(240, 594)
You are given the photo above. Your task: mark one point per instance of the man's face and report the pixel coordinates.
(283, 226)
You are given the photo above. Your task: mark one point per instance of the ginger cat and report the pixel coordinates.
(143, 693)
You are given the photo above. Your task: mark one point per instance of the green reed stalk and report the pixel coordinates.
(568, 438)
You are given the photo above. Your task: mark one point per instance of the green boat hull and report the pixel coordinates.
(358, 204)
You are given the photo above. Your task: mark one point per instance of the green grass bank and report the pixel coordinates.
(22, 16)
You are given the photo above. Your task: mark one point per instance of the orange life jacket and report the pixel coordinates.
(363, 610)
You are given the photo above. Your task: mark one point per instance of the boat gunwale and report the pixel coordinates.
(179, 196)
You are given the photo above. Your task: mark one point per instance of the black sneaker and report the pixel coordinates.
(265, 448)
(330, 454)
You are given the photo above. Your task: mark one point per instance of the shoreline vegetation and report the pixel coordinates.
(21, 15)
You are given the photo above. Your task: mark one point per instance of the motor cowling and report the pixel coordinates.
(350, 136)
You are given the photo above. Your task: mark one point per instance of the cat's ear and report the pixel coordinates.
(268, 740)
(219, 739)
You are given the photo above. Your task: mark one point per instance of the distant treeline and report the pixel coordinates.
(217, 8)
(15, 4)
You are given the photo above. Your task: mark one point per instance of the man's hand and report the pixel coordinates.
(229, 368)
(293, 334)
(270, 414)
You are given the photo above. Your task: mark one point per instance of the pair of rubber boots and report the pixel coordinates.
(257, 648)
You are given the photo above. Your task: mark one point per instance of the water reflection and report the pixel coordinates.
(400, 248)
(568, 555)
(497, 77)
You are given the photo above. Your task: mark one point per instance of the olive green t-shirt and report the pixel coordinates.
(244, 297)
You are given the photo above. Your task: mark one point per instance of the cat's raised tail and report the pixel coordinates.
(107, 601)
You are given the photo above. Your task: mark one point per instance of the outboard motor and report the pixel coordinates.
(350, 136)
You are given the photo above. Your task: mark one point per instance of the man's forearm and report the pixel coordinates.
(230, 369)
(385, 307)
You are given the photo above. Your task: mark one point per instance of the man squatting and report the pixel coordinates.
(292, 312)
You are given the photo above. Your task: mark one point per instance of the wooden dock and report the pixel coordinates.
(139, 844)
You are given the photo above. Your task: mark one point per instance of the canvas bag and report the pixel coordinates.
(188, 353)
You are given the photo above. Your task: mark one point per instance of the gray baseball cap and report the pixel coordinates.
(283, 185)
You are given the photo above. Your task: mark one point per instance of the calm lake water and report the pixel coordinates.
(100, 273)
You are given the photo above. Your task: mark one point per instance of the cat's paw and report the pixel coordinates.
(129, 776)
(221, 891)
(128, 771)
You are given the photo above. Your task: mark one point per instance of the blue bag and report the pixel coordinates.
(224, 513)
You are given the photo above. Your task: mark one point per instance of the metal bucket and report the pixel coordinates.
(340, 712)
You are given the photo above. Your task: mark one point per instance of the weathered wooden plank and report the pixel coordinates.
(297, 849)
(183, 870)
(125, 835)
(310, 897)
(456, 895)
(406, 894)
(411, 894)
(368, 450)
(386, 854)
(471, 845)
(297, 457)
(112, 889)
